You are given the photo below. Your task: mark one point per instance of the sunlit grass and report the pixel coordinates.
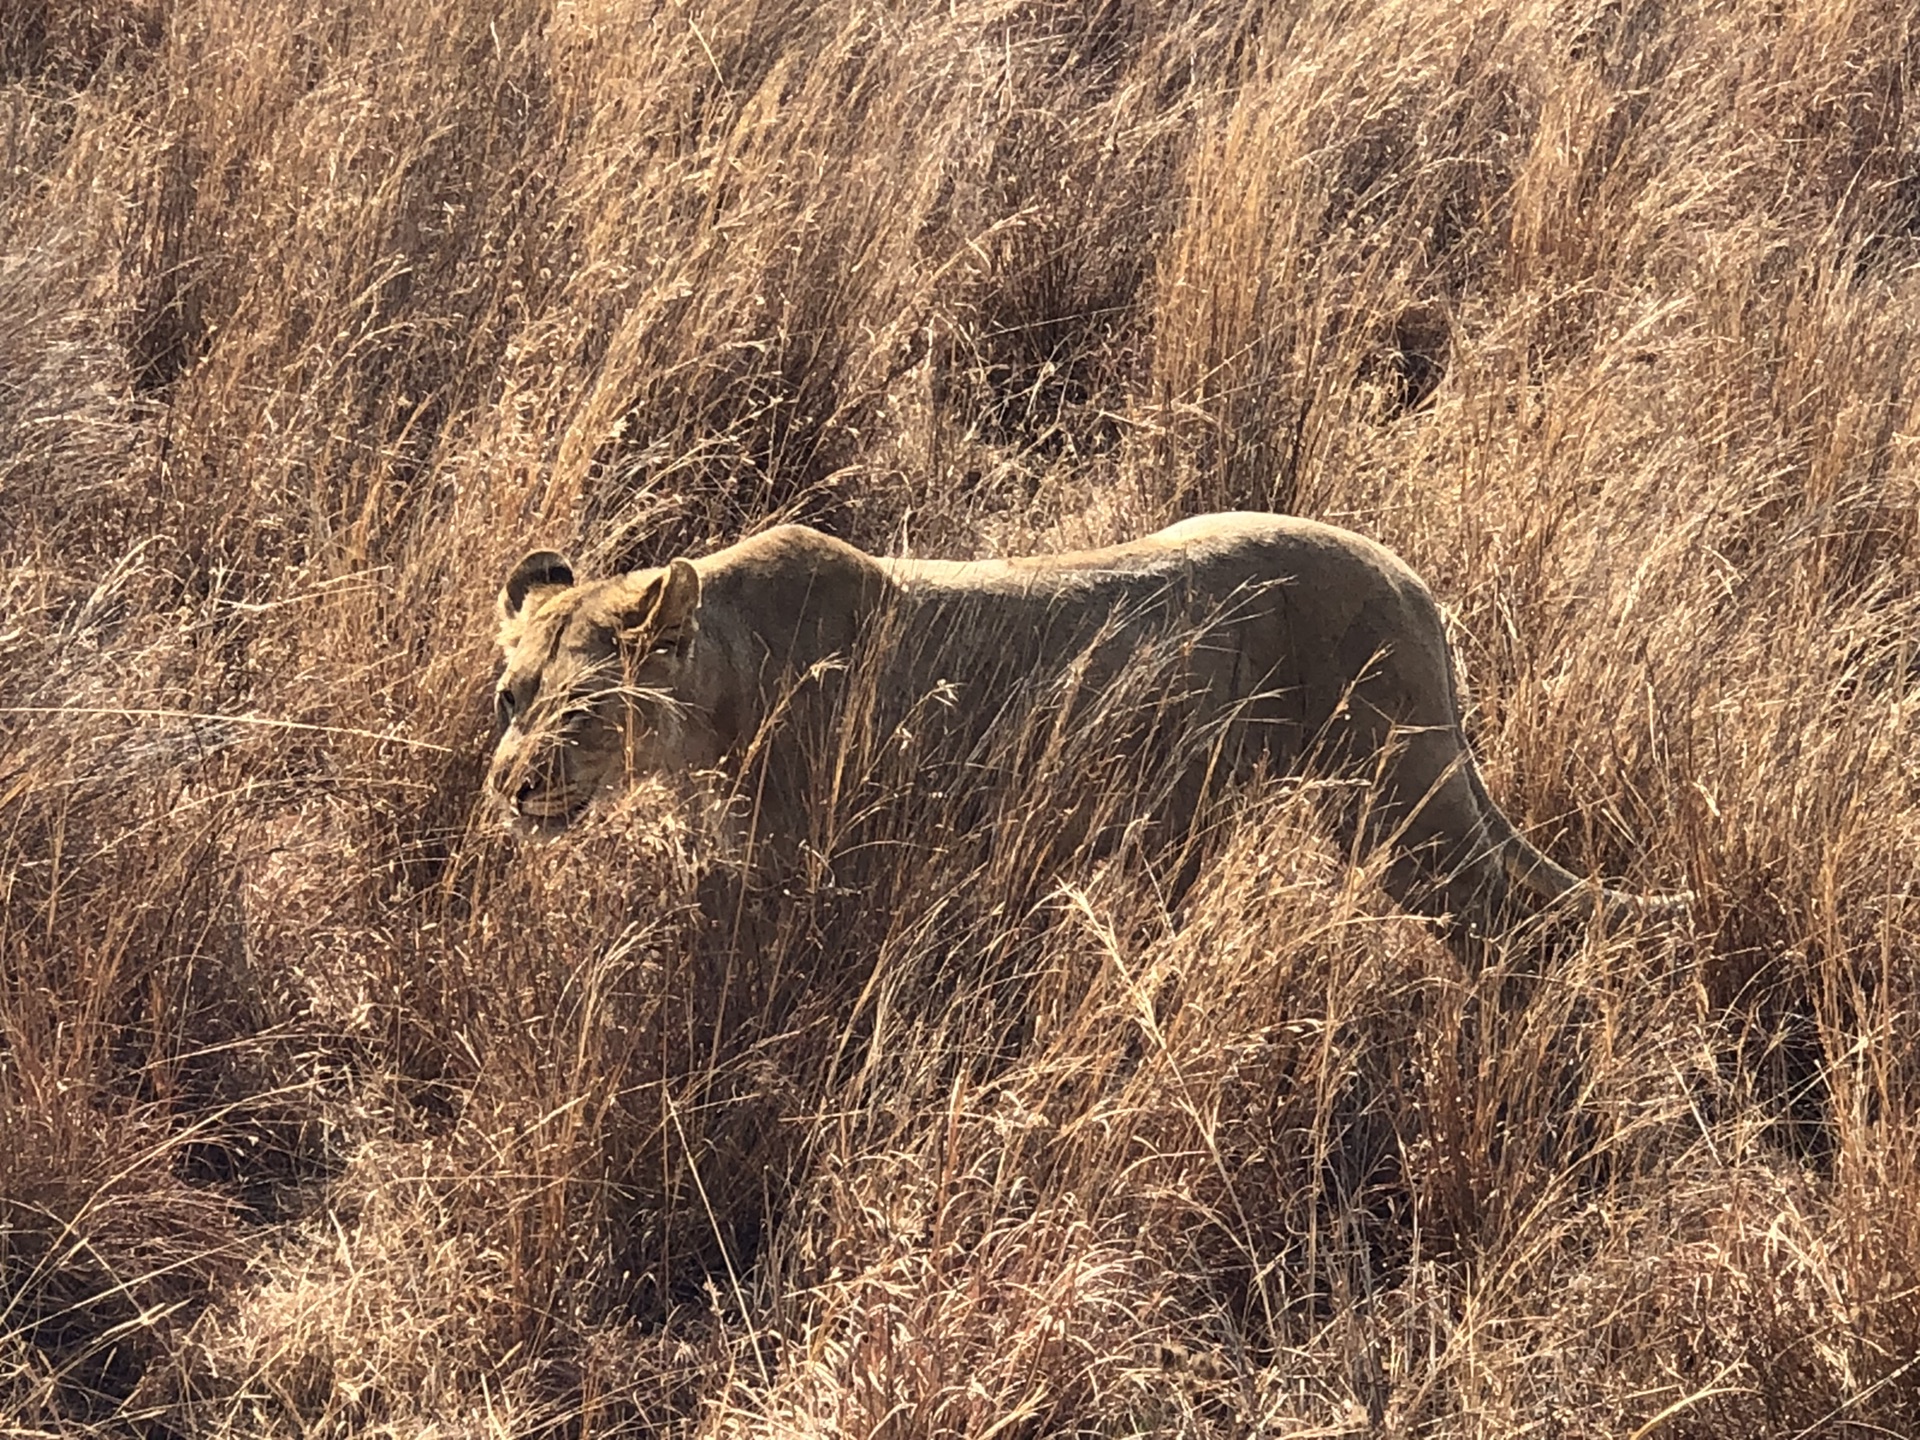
(325, 1108)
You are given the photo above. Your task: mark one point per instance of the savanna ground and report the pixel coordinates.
(326, 1110)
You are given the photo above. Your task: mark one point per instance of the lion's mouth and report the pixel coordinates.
(545, 813)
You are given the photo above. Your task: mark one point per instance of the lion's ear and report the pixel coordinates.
(540, 570)
(661, 609)
(679, 596)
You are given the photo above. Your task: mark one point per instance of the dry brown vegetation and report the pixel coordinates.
(324, 1110)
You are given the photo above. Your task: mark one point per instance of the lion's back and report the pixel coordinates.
(1242, 605)
(1235, 605)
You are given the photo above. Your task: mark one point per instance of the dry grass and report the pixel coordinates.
(323, 1110)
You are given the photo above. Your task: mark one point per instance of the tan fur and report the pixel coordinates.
(1292, 641)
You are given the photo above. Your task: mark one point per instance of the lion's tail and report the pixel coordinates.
(1551, 886)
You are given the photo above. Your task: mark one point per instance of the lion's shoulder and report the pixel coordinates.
(790, 590)
(788, 549)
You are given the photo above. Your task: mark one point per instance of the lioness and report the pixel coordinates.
(1287, 641)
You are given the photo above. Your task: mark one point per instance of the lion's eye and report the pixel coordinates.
(503, 706)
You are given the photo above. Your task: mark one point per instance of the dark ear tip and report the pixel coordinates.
(540, 567)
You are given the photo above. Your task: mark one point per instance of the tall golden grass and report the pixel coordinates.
(324, 1110)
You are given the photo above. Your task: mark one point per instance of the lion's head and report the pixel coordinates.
(593, 686)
